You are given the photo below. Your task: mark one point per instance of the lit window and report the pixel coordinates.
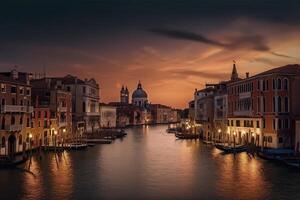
(3, 88)
(21, 90)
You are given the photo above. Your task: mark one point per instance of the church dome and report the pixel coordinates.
(139, 92)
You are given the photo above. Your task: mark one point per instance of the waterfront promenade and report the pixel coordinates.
(149, 164)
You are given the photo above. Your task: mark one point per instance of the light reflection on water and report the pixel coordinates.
(150, 164)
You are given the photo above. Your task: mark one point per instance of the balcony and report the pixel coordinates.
(62, 109)
(92, 113)
(62, 124)
(242, 113)
(13, 127)
(16, 108)
(245, 95)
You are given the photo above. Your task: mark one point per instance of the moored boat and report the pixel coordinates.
(186, 136)
(274, 154)
(53, 148)
(7, 162)
(207, 142)
(291, 162)
(229, 149)
(173, 130)
(77, 146)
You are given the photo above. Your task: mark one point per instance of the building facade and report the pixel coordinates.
(108, 116)
(220, 112)
(204, 111)
(85, 99)
(16, 111)
(262, 108)
(49, 92)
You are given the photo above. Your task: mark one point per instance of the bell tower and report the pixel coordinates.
(124, 95)
(234, 74)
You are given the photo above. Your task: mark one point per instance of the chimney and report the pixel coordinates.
(247, 74)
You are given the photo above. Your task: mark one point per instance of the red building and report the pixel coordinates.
(41, 123)
(51, 94)
(263, 108)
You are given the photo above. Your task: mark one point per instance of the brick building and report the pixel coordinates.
(50, 93)
(16, 110)
(262, 108)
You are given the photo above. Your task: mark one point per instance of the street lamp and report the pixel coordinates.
(30, 137)
(234, 133)
(55, 133)
(243, 138)
(219, 135)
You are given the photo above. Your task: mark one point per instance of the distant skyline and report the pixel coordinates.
(173, 46)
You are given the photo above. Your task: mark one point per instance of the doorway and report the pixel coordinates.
(11, 145)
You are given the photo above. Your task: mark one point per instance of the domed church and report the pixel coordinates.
(139, 96)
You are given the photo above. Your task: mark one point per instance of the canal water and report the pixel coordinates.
(150, 164)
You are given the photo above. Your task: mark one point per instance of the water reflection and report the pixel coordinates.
(150, 164)
(241, 178)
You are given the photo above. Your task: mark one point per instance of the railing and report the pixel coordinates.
(16, 108)
(242, 113)
(62, 109)
(13, 127)
(62, 124)
(245, 95)
(92, 113)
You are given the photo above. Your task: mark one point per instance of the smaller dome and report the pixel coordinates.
(139, 92)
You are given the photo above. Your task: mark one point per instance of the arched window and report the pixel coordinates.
(20, 140)
(279, 84)
(83, 106)
(13, 120)
(274, 104)
(3, 122)
(13, 100)
(3, 142)
(285, 84)
(279, 104)
(286, 104)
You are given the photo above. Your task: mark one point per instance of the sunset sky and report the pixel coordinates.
(172, 46)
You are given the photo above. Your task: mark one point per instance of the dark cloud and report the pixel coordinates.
(283, 55)
(186, 35)
(251, 42)
(255, 42)
(199, 74)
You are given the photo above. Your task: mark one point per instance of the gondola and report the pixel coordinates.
(291, 162)
(173, 130)
(6, 162)
(228, 149)
(186, 136)
(274, 154)
(77, 146)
